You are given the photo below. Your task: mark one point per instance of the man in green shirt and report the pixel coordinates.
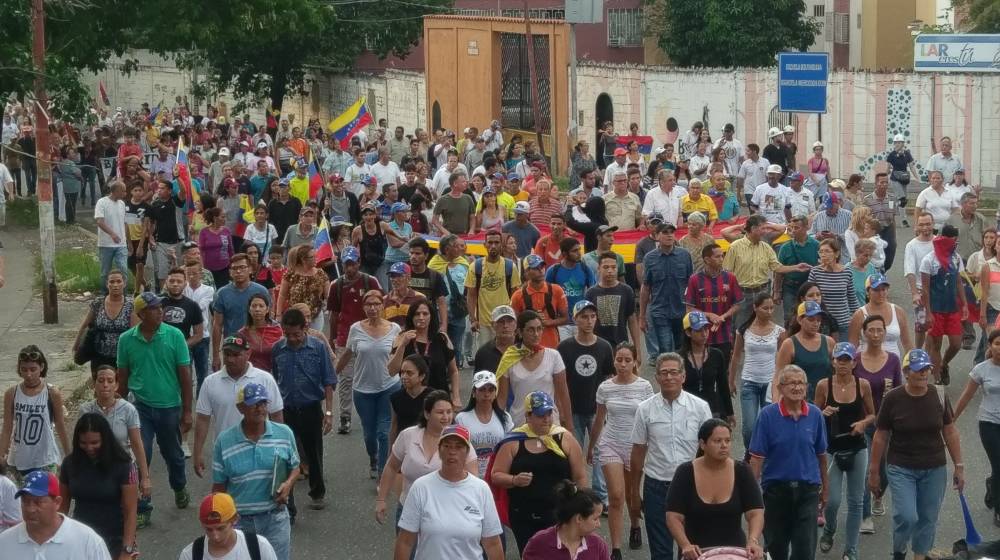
(803, 248)
(154, 363)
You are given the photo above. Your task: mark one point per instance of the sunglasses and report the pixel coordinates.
(29, 356)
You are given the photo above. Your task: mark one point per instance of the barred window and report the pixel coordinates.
(625, 27)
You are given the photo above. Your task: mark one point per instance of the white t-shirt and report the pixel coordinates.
(541, 378)
(484, 437)
(440, 181)
(699, 163)
(753, 173)
(217, 397)
(385, 173)
(203, 296)
(72, 541)
(803, 202)
(668, 206)
(239, 551)
(258, 237)
(956, 191)
(5, 179)
(409, 450)
(10, 507)
(772, 201)
(356, 177)
(113, 212)
(916, 250)
(451, 518)
(621, 402)
(734, 151)
(939, 205)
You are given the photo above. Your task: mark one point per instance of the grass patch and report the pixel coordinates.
(562, 183)
(76, 271)
(22, 212)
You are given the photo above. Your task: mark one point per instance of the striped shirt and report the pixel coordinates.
(542, 212)
(837, 224)
(715, 295)
(884, 209)
(837, 287)
(247, 467)
(751, 263)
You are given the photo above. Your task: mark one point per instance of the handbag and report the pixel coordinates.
(901, 177)
(845, 459)
(87, 349)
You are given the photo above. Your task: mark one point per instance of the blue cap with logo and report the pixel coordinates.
(844, 350)
(39, 484)
(534, 261)
(539, 403)
(399, 269)
(917, 360)
(809, 309)
(350, 254)
(400, 207)
(251, 394)
(696, 320)
(583, 304)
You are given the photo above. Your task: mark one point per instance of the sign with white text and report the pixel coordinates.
(956, 53)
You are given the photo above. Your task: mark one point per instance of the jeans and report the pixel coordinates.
(306, 422)
(345, 384)
(456, 332)
(116, 255)
(916, 502)
(866, 508)
(199, 359)
(789, 302)
(89, 183)
(989, 434)
(375, 412)
(753, 397)
(790, 510)
(991, 318)
(888, 234)
(165, 425)
(668, 333)
(273, 525)
(654, 511)
(856, 479)
(581, 426)
(71, 207)
(652, 343)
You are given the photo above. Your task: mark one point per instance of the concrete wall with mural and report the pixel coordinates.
(864, 111)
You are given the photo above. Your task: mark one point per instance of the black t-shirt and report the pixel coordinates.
(614, 307)
(429, 283)
(487, 357)
(182, 313)
(282, 215)
(407, 408)
(164, 215)
(97, 495)
(708, 525)
(777, 156)
(438, 356)
(710, 382)
(586, 368)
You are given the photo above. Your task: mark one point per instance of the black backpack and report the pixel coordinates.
(528, 306)
(253, 546)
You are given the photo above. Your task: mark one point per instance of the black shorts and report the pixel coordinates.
(133, 246)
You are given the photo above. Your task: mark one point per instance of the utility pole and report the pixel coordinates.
(534, 80)
(46, 219)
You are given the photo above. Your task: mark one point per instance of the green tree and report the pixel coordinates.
(983, 16)
(731, 32)
(80, 35)
(261, 50)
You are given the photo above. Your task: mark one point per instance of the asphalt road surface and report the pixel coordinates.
(346, 529)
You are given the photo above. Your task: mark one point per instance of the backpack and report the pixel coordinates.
(508, 270)
(549, 308)
(253, 546)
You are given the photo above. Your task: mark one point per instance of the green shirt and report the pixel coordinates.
(153, 364)
(791, 253)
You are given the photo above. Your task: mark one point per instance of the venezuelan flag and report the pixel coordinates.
(645, 143)
(315, 179)
(349, 122)
(183, 175)
(155, 112)
(322, 243)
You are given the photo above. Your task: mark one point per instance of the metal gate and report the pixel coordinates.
(515, 82)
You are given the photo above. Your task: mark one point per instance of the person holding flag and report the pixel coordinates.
(350, 122)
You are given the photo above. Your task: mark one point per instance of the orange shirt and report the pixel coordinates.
(548, 248)
(299, 146)
(550, 336)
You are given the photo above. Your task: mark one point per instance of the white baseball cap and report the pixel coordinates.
(483, 378)
(522, 207)
(898, 138)
(223, 151)
(774, 168)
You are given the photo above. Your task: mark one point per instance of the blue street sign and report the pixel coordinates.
(802, 79)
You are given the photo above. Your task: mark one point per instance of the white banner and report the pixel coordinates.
(108, 164)
(956, 53)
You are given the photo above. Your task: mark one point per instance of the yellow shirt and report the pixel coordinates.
(704, 204)
(492, 286)
(750, 263)
(299, 188)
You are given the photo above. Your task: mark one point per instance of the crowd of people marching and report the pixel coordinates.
(265, 287)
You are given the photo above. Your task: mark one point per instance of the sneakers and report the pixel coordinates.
(635, 538)
(878, 507)
(142, 519)
(186, 449)
(825, 542)
(945, 376)
(181, 498)
(850, 556)
(867, 526)
(317, 503)
(345, 425)
(906, 223)
(372, 469)
(616, 554)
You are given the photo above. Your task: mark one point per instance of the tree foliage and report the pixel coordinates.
(731, 32)
(983, 16)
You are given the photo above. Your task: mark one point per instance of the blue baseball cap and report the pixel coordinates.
(876, 281)
(399, 269)
(917, 360)
(400, 207)
(145, 300)
(844, 350)
(809, 309)
(795, 176)
(695, 320)
(513, 177)
(39, 484)
(498, 175)
(539, 403)
(251, 394)
(350, 254)
(583, 304)
(534, 261)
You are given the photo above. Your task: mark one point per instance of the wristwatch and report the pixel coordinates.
(328, 413)
(131, 549)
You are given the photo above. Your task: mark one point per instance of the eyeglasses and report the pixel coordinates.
(793, 383)
(239, 267)
(29, 356)
(671, 372)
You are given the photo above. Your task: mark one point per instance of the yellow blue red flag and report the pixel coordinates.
(349, 122)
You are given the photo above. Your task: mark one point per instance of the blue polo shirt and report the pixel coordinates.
(302, 373)
(232, 304)
(788, 446)
(247, 467)
(667, 275)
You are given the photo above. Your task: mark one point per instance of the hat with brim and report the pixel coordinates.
(146, 300)
(539, 403)
(39, 484)
(844, 350)
(809, 309)
(696, 320)
(582, 305)
(251, 394)
(458, 432)
(917, 360)
(483, 378)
